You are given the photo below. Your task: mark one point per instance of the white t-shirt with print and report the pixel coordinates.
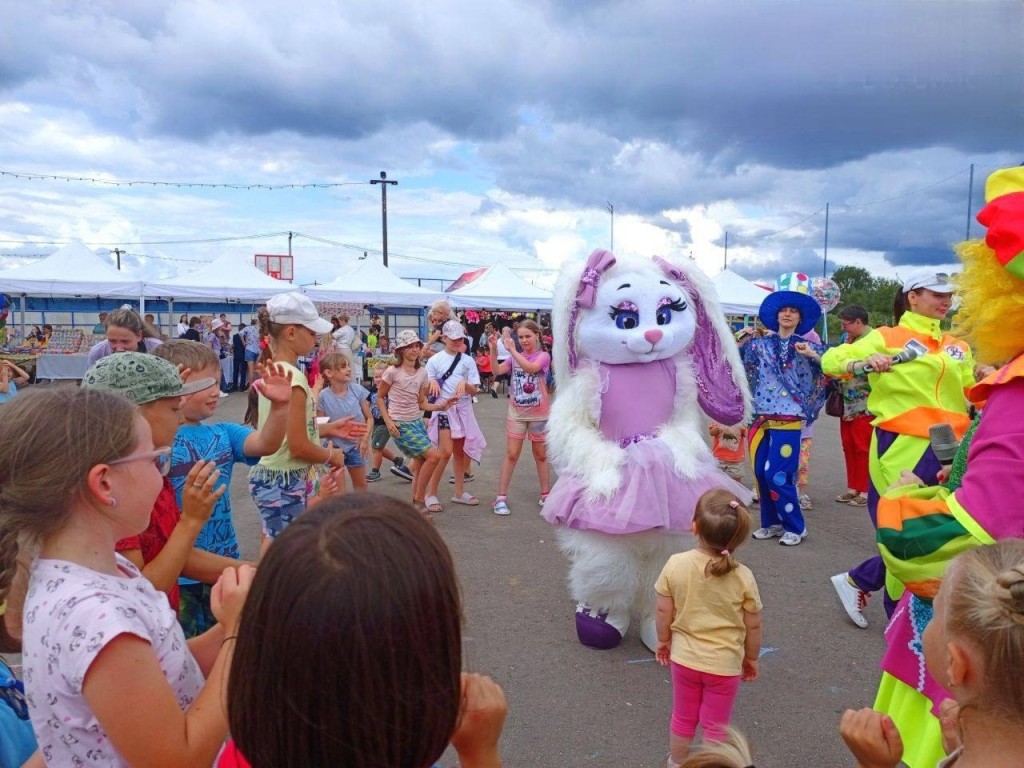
(466, 370)
(71, 614)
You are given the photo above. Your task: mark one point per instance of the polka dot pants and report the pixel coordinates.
(775, 456)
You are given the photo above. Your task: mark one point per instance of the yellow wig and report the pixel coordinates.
(991, 315)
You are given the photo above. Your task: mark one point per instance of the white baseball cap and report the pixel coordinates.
(453, 330)
(295, 309)
(928, 279)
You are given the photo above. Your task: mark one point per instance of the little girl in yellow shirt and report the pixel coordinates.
(709, 623)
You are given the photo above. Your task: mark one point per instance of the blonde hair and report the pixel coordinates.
(190, 354)
(991, 301)
(732, 752)
(985, 607)
(443, 306)
(335, 361)
(723, 524)
(38, 484)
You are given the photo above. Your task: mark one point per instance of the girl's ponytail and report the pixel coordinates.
(723, 524)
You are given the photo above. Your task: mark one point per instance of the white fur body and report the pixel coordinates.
(615, 574)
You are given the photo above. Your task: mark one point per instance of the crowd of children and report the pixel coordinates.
(120, 559)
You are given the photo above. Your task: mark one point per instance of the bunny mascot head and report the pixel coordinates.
(641, 348)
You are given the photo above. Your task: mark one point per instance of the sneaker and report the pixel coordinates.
(223, 394)
(466, 478)
(771, 532)
(474, 399)
(373, 476)
(402, 471)
(853, 599)
(792, 539)
(494, 394)
(805, 502)
(501, 508)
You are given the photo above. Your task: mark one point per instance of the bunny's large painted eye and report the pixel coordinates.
(626, 315)
(665, 309)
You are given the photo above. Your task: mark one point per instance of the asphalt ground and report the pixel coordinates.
(573, 706)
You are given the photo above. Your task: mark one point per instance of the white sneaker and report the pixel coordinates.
(501, 508)
(805, 502)
(771, 532)
(853, 599)
(792, 539)
(223, 394)
(474, 398)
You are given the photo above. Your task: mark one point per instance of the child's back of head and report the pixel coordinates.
(722, 523)
(349, 648)
(731, 752)
(190, 354)
(984, 593)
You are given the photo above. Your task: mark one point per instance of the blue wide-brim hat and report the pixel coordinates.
(809, 310)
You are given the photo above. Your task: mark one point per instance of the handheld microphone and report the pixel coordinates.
(912, 350)
(944, 443)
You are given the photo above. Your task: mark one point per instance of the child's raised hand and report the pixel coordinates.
(434, 389)
(483, 714)
(872, 738)
(347, 429)
(228, 596)
(274, 382)
(200, 494)
(751, 670)
(662, 652)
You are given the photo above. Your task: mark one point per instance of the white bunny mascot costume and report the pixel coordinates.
(641, 346)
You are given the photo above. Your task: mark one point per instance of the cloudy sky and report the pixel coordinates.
(510, 126)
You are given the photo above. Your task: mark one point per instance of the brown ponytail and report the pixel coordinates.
(723, 524)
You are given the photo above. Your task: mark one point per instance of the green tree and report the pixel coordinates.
(858, 286)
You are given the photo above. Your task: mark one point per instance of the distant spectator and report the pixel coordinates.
(101, 327)
(192, 332)
(238, 368)
(125, 332)
(182, 326)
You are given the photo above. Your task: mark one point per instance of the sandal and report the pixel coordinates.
(846, 497)
(433, 504)
(501, 508)
(467, 498)
(860, 500)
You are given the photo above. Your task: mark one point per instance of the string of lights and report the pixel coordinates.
(178, 184)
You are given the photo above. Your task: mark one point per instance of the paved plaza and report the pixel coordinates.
(572, 706)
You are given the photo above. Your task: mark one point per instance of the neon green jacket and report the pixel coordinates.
(912, 396)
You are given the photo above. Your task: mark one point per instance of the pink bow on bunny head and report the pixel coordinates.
(599, 262)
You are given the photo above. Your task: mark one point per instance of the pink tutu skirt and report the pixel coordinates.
(651, 495)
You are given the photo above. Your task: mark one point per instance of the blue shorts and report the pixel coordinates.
(279, 496)
(251, 357)
(353, 458)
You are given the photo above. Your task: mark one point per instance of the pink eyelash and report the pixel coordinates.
(664, 302)
(627, 306)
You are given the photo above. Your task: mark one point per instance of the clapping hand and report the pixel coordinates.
(872, 738)
(200, 494)
(274, 382)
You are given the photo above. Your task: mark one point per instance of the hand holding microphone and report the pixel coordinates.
(881, 362)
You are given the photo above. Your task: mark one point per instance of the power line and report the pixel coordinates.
(179, 184)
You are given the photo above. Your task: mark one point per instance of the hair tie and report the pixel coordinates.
(734, 504)
(725, 553)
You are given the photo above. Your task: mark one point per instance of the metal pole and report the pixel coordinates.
(611, 213)
(725, 258)
(384, 181)
(970, 202)
(824, 264)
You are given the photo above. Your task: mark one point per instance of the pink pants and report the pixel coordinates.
(701, 696)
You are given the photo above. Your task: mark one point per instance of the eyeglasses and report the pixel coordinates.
(161, 458)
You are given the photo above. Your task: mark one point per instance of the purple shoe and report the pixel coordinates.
(594, 631)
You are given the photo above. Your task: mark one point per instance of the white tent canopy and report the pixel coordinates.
(72, 271)
(500, 288)
(370, 282)
(737, 295)
(228, 278)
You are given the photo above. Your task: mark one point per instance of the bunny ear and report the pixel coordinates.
(722, 390)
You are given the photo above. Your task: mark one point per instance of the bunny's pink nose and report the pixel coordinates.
(653, 335)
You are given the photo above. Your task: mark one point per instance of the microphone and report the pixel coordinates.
(912, 350)
(944, 443)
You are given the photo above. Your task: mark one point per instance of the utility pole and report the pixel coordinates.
(725, 258)
(824, 263)
(611, 212)
(383, 181)
(970, 202)
(117, 252)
